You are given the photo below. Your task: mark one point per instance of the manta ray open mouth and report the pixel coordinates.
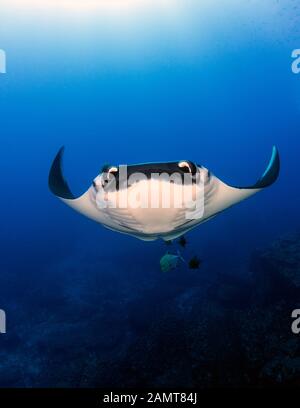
(156, 200)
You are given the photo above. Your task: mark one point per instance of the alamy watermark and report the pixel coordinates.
(296, 62)
(2, 62)
(2, 322)
(115, 189)
(296, 321)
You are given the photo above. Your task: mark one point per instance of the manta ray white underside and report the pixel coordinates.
(148, 223)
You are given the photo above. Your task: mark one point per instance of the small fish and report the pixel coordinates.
(195, 263)
(170, 261)
(182, 241)
(168, 243)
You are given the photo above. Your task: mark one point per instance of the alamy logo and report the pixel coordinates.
(2, 62)
(296, 321)
(2, 322)
(296, 62)
(115, 189)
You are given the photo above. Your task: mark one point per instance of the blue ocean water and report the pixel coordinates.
(211, 83)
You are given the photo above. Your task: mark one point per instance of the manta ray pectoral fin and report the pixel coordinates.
(56, 181)
(83, 204)
(271, 173)
(226, 196)
(60, 188)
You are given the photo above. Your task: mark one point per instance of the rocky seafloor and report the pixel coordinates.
(93, 329)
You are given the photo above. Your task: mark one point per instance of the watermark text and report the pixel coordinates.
(2, 322)
(296, 62)
(296, 321)
(2, 62)
(117, 189)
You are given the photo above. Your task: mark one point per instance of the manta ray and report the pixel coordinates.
(148, 222)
